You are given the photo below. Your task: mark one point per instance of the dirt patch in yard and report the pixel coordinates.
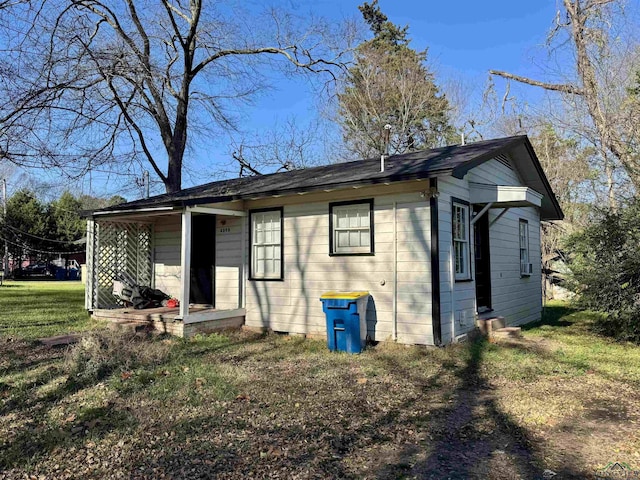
(246, 406)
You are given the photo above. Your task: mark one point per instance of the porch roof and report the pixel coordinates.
(502, 196)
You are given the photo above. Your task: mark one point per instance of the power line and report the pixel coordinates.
(26, 247)
(39, 238)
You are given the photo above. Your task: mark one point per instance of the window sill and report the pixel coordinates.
(464, 280)
(260, 279)
(369, 254)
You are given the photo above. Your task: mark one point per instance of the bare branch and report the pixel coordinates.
(238, 157)
(596, 3)
(290, 53)
(556, 87)
(94, 77)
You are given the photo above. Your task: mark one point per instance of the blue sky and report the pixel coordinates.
(465, 39)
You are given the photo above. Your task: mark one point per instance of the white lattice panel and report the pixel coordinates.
(121, 250)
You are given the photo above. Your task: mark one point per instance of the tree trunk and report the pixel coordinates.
(611, 193)
(608, 135)
(586, 71)
(173, 182)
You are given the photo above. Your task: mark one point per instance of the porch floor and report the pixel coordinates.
(146, 314)
(163, 319)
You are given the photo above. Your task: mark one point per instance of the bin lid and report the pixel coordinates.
(343, 295)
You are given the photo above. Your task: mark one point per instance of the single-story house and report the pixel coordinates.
(437, 237)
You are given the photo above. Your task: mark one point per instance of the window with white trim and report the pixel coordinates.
(460, 226)
(266, 244)
(525, 265)
(351, 228)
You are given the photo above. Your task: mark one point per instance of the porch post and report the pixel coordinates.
(90, 266)
(242, 294)
(185, 263)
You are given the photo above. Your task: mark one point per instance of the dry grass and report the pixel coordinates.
(240, 405)
(103, 353)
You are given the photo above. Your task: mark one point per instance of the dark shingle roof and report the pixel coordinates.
(454, 160)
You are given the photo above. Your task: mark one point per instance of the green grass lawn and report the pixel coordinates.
(269, 406)
(35, 309)
(564, 343)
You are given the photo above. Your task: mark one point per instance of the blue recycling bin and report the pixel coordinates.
(61, 273)
(346, 316)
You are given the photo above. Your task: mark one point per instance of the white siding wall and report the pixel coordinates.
(461, 295)
(228, 245)
(166, 254)
(414, 313)
(228, 261)
(293, 305)
(516, 298)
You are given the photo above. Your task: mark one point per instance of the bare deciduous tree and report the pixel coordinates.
(597, 86)
(285, 147)
(566, 164)
(129, 80)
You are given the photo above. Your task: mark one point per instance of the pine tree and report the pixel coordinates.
(390, 84)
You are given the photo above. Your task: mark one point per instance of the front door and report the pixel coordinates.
(203, 259)
(482, 263)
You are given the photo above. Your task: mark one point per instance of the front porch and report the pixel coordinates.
(154, 248)
(167, 320)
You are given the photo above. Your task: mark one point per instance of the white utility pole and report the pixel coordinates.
(4, 210)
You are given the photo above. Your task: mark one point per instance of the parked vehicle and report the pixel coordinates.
(37, 269)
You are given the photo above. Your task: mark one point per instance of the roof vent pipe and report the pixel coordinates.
(385, 138)
(462, 138)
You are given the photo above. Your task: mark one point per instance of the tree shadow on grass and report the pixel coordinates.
(277, 439)
(477, 437)
(37, 438)
(36, 383)
(21, 356)
(574, 365)
(461, 431)
(604, 413)
(38, 433)
(472, 436)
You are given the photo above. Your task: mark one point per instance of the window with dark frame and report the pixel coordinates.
(460, 229)
(525, 265)
(351, 228)
(266, 245)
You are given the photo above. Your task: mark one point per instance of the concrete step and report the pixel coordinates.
(507, 332)
(131, 325)
(490, 324)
